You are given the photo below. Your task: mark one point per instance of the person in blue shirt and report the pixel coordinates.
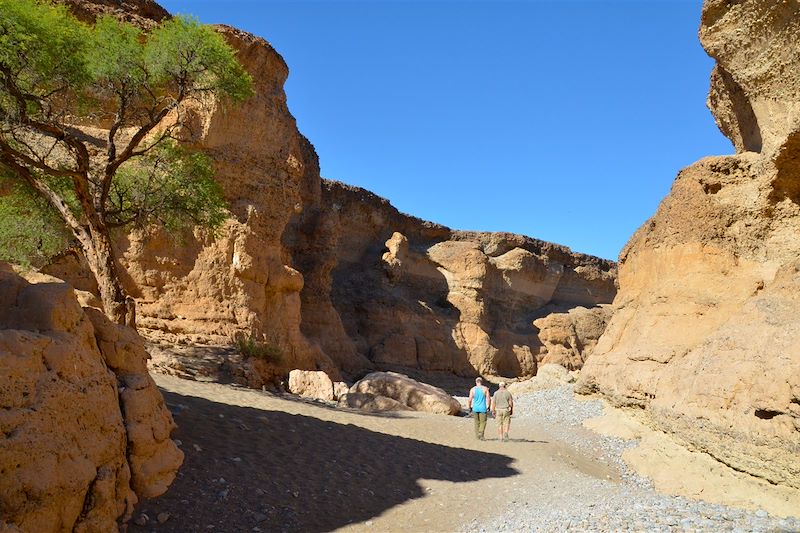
(479, 401)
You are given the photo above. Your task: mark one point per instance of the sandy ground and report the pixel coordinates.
(259, 462)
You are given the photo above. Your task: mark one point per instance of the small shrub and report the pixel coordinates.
(251, 346)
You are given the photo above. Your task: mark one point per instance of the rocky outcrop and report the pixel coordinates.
(705, 332)
(85, 431)
(411, 293)
(570, 337)
(404, 390)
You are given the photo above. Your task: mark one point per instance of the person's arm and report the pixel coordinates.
(493, 405)
(469, 403)
(510, 404)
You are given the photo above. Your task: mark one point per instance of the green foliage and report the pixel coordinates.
(168, 185)
(182, 49)
(30, 230)
(57, 72)
(43, 47)
(251, 346)
(116, 55)
(48, 51)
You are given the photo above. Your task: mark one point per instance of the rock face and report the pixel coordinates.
(404, 390)
(411, 293)
(571, 337)
(333, 276)
(85, 429)
(705, 333)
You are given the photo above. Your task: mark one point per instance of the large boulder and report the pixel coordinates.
(85, 430)
(311, 384)
(705, 334)
(365, 401)
(409, 392)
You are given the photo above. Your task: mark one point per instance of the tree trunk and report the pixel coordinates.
(119, 307)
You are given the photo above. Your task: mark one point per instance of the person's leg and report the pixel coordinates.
(476, 419)
(498, 418)
(482, 428)
(508, 426)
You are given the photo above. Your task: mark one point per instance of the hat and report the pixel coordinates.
(502, 383)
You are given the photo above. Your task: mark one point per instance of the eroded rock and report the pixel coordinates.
(409, 392)
(705, 335)
(71, 459)
(571, 337)
(311, 384)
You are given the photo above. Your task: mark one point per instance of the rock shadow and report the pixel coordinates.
(284, 472)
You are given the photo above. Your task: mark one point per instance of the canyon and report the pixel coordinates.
(331, 276)
(695, 330)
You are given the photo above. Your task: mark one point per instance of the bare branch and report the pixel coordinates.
(19, 157)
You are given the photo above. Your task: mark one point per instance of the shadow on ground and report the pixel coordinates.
(284, 472)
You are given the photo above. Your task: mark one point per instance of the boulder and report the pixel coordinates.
(311, 384)
(340, 388)
(549, 376)
(86, 430)
(409, 392)
(370, 402)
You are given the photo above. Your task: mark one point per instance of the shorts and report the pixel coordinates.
(502, 415)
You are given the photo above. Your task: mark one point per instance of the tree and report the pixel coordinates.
(62, 82)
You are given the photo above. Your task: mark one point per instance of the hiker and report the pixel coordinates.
(502, 407)
(479, 401)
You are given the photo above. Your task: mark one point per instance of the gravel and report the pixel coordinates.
(585, 503)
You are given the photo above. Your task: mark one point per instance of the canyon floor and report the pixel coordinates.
(262, 462)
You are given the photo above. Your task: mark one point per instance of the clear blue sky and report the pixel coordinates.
(563, 120)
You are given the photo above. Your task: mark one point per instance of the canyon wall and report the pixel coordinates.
(705, 334)
(331, 276)
(416, 294)
(85, 430)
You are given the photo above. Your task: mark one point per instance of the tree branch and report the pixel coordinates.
(51, 196)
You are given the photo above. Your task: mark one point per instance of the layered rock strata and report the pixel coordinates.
(85, 431)
(706, 332)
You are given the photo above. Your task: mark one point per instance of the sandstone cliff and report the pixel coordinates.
(333, 277)
(84, 429)
(706, 331)
(416, 294)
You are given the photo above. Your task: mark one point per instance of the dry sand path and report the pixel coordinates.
(259, 462)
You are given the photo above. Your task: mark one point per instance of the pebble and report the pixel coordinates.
(592, 504)
(162, 517)
(141, 520)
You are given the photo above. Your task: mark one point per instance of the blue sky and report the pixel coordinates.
(562, 120)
